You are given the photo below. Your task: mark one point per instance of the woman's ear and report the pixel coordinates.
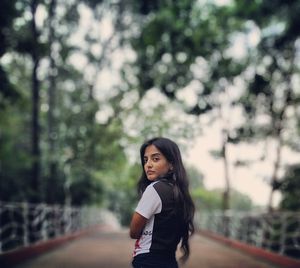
(171, 167)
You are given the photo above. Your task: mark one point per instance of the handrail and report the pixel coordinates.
(278, 231)
(24, 224)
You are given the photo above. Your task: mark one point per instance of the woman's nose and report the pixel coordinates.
(149, 163)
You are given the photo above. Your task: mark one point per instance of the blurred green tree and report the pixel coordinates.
(273, 93)
(66, 134)
(7, 14)
(290, 189)
(183, 46)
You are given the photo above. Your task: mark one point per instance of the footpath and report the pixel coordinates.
(108, 248)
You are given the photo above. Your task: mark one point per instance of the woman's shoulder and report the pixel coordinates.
(158, 186)
(163, 186)
(154, 182)
(150, 187)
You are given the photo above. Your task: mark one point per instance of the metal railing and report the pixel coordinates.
(23, 224)
(277, 231)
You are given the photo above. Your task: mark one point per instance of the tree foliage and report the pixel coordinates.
(290, 189)
(58, 115)
(75, 146)
(189, 45)
(8, 12)
(272, 98)
(208, 200)
(83, 138)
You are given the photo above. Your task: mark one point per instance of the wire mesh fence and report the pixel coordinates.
(278, 232)
(23, 224)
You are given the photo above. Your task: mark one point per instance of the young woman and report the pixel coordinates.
(165, 212)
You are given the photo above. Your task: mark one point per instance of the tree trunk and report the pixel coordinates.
(226, 194)
(35, 180)
(274, 177)
(223, 102)
(278, 126)
(52, 130)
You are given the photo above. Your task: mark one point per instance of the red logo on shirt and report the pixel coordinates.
(136, 246)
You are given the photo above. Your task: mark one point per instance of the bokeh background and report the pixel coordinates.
(84, 82)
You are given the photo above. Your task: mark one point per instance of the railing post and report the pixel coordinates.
(260, 232)
(283, 230)
(44, 222)
(25, 226)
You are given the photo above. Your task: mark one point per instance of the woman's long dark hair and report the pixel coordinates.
(181, 187)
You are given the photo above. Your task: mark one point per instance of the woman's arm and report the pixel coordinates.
(137, 225)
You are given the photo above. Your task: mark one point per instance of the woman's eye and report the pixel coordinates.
(155, 159)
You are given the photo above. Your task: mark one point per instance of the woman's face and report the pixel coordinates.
(155, 163)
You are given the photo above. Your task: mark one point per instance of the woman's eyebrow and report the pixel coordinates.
(152, 155)
(155, 154)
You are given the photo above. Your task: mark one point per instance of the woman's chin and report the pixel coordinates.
(151, 178)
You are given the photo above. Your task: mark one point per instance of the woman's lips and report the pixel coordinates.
(150, 172)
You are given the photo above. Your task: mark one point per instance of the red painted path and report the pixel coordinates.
(112, 249)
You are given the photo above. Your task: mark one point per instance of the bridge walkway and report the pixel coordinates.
(113, 249)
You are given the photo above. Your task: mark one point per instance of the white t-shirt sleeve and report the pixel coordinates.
(150, 203)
